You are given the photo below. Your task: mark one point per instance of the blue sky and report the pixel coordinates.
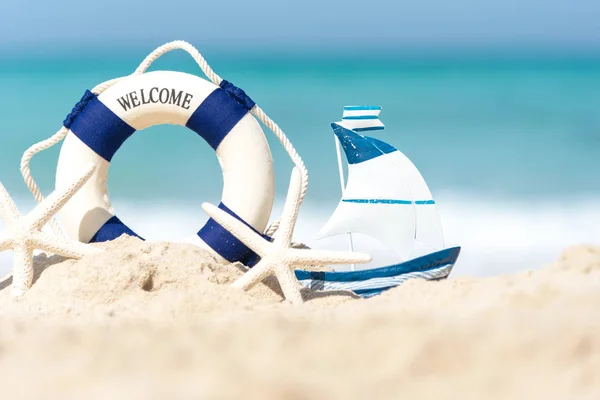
(267, 23)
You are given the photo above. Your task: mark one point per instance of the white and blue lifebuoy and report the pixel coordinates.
(99, 125)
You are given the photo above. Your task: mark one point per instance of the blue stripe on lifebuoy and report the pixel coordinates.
(216, 117)
(238, 94)
(112, 229)
(100, 129)
(213, 234)
(228, 246)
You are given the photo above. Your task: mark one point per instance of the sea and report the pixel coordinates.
(508, 143)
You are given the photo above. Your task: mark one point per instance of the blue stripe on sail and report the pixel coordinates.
(370, 128)
(381, 145)
(225, 244)
(356, 147)
(361, 117)
(361, 108)
(216, 117)
(427, 262)
(98, 127)
(387, 201)
(377, 201)
(111, 230)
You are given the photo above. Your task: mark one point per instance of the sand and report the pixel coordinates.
(159, 321)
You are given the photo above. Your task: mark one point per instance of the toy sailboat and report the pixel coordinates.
(386, 198)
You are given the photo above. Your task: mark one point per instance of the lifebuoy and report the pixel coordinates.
(99, 125)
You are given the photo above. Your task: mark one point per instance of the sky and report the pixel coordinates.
(62, 24)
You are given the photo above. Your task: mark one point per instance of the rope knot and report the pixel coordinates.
(238, 94)
(78, 108)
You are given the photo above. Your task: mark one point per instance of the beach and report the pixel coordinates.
(159, 320)
(495, 105)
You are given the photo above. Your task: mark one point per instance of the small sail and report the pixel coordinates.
(362, 118)
(385, 197)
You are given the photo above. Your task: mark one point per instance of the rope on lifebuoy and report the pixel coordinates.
(142, 68)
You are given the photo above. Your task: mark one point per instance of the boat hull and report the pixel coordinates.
(371, 282)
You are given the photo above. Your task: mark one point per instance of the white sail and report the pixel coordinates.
(385, 197)
(391, 223)
(429, 235)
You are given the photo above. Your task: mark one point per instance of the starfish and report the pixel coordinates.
(277, 257)
(23, 234)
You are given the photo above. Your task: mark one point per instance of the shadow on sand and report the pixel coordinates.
(40, 264)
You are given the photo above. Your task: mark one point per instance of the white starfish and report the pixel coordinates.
(23, 234)
(278, 257)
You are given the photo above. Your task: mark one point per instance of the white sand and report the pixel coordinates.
(158, 321)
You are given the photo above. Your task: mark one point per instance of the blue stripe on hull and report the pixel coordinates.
(436, 273)
(370, 292)
(367, 293)
(427, 262)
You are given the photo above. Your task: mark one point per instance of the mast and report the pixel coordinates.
(359, 118)
(342, 183)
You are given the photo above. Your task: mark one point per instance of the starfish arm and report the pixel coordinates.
(44, 211)
(22, 270)
(8, 208)
(309, 256)
(5, 241)
(291, 208)
(238, 229)
(52, 244)
(289, 284)
(255, 275)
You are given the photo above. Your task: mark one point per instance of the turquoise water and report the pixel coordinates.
(510, 146)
